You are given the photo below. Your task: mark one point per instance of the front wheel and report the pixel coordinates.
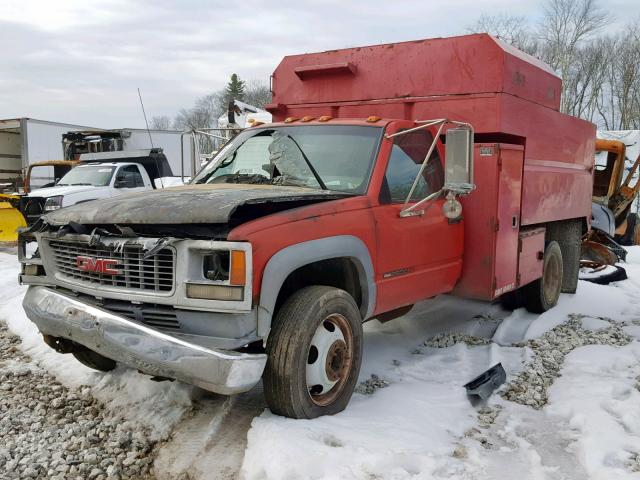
(94, 360)
(314, 353)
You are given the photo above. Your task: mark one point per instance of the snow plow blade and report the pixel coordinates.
(484, 384)
(10, 219)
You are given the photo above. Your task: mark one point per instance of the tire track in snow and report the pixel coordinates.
(210, 443)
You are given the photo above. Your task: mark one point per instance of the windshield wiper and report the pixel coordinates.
(74, 184)
(306, 159)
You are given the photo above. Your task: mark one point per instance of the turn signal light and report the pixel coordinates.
(373, 119)
(238, 270)
(291, 119)
(307, 118)
(325, 118)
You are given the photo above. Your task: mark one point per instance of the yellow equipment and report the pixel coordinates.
(615, 192)
(10, 218)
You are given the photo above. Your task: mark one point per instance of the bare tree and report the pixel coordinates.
(160, 122)
(585, 79)
(619, 101)
(257, 93)
(565, 26)
(511, 29)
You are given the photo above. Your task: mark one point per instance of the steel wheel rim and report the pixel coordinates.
(329, 359)
(551, 278)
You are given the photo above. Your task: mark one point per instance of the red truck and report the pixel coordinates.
(392, 174)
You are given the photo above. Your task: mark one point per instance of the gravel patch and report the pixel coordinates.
(50, 431)
(444, 340)
(531, 385)
(369, 386)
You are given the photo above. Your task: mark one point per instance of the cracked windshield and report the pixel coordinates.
(332, 157)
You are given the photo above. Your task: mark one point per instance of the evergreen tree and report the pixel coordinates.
(235, 89)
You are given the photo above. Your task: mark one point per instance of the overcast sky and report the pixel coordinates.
(81, 61)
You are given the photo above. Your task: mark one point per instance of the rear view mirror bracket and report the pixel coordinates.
(458, 162)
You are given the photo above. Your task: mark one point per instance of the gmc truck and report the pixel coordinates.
(391, 174)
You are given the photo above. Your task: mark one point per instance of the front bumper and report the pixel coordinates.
(141, 347)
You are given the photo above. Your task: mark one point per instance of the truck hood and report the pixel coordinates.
(64, 190)
(189, 204)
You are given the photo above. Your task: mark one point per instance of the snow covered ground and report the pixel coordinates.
(418, 422)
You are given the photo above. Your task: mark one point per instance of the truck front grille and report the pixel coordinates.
(152, 274)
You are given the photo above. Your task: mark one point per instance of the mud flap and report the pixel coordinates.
(484, 384)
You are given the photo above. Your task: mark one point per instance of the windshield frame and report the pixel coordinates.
(112, 167)
(250, 132)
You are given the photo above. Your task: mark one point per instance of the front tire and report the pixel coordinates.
(542, 294)
(94, 360)
(314, 352)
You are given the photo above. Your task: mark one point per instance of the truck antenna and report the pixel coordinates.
(150, 139)
(145, 117)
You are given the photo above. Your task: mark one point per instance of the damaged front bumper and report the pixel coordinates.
(141, 347)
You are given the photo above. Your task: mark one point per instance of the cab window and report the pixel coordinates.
(408, 153)
(129, 177)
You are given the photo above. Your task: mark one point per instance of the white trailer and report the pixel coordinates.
(24, 141)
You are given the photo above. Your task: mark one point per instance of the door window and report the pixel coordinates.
(130, 177)
(408, 153)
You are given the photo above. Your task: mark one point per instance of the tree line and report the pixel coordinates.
(208, 108)
(600, 70)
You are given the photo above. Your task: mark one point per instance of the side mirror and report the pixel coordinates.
(458, 176)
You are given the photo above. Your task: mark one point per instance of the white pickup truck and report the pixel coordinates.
(102, 175)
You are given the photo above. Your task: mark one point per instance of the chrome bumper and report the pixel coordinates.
(141, 347)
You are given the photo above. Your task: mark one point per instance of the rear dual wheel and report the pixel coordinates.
(314, 353)
(543, 294)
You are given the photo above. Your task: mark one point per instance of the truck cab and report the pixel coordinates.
(344, 210)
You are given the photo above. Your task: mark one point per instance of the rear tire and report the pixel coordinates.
(568, 234)
(94, 360)
(542, 294)
(314, 353)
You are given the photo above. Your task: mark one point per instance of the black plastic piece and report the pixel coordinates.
(484, 384)
(617, 275)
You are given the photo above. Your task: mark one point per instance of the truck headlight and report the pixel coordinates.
(225, 265)
(53, 203)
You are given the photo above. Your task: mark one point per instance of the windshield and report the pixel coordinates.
(96, 175)
(331, 157)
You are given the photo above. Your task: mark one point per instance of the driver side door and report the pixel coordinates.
(418, 256)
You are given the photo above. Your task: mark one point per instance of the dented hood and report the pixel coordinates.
(186, 204)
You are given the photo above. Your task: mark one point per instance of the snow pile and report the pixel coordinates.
(598, 400)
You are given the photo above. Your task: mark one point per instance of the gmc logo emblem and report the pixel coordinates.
(97, 265)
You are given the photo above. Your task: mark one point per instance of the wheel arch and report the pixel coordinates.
(346, 250)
